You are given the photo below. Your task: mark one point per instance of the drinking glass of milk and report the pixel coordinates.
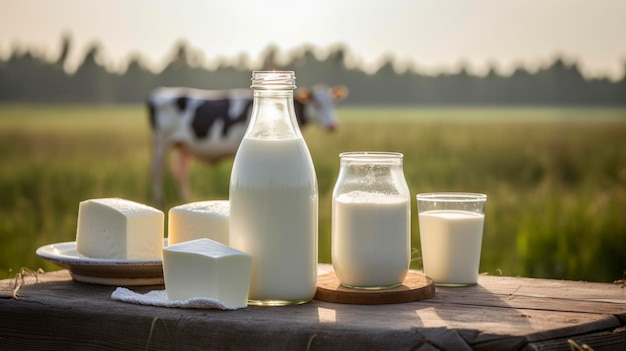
(451, 232)
(371, 228)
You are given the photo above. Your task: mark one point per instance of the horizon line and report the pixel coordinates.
(351, 60)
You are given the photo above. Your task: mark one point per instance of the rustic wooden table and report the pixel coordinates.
(500, 313)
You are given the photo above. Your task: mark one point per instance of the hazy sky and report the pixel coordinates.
(432, 34)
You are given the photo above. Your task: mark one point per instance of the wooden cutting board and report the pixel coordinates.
(416, 287)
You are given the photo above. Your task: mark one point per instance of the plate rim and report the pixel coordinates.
(45, 253)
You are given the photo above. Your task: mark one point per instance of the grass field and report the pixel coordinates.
(555, 177)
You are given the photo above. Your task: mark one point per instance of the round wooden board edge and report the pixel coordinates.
(415, 287)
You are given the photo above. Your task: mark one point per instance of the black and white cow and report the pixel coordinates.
(209, 125)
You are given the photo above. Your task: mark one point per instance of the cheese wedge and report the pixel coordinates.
(196, 220)
(119, 229)
(206, 268)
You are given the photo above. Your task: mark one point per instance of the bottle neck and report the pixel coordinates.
(273, 115)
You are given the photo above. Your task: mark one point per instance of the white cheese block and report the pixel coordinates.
(119, 229)
(206, 268)
(196, 220)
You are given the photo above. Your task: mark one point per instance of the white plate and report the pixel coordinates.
(103, 271)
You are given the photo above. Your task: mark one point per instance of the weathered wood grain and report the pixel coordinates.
(498, 313)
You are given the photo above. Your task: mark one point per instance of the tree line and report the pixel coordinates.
(27, 77)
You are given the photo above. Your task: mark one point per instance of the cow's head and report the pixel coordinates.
(319, 104)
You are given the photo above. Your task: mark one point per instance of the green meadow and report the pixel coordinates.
(555, 177)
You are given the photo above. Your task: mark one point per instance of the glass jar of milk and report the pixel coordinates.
(274, 197)
(371, 221)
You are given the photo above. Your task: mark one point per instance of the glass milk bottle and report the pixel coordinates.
(274, 197)
(371, 221)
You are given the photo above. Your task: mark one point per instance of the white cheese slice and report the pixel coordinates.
(206, 268)
(196, 220)
(119, 229)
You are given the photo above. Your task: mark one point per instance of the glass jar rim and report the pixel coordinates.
(370, 155)
(452, 197)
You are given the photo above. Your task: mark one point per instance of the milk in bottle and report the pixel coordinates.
(274, 197)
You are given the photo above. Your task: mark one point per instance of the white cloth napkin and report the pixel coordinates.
(159, 298)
